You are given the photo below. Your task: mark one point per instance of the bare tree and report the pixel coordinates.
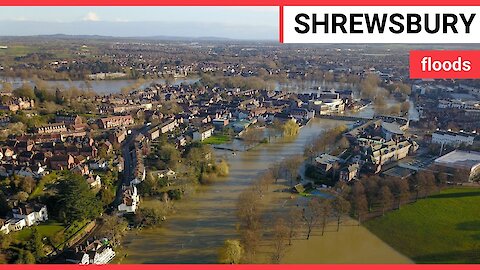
(340, 207)
(424, 183)
(292, 165)
(266, 179)
(252, 136)
(309, 150)
(442, 178)
(311, 215)
(371, 185)
(401, 191)
(293, 221)
(461, 175)
(113, 228)
(276, 171)
(385, 198)
(280, 236)
(335, 168)
(430, 184)
(326, 211)
(248, 209)
(359, 200)
(250, 242)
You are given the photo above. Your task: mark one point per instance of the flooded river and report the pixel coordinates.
(204, 220)
(100, 86)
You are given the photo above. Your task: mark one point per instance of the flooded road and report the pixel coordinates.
(205, 219)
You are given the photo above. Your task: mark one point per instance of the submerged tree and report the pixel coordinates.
(231, 252)
(290, 128)
(293, 221)
(311, 215)
(280, 236)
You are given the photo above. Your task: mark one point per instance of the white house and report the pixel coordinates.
(103, 255)
(98, 165)
(32, 213)
(34, 171)
(203, 134)
(130, 199)
(97, 252)
(24, 214)
(139, 177)
(4, 226)
(16, 224)
(94, 181)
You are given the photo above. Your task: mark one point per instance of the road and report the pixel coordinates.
(129, 160)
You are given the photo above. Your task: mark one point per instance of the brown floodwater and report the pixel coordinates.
(204, 220)
(351, 244)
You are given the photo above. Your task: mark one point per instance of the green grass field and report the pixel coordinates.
(46, 230)
(43, 183)
(16, 50)
(444, 228)
(217, 139)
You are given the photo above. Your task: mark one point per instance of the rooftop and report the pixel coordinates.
(465, 159)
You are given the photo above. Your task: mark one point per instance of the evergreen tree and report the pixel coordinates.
(77, 202)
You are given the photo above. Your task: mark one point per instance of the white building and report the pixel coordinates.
(34, 171)
(466, 162)
(459, 104)
(4, 226)
(327, 106)
(98, 165)
(16, 224)
(130, 199)
(32, 213)
(25, 214)
(94, 181)
(98, 252)
(203, 134)
(139, 177)
(103, 255)
(452, 138)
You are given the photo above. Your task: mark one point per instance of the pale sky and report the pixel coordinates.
(230, 22)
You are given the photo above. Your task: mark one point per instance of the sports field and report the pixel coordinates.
(444, 228)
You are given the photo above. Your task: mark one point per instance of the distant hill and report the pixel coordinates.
(150, 30)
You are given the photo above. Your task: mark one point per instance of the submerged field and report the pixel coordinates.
(444, 228)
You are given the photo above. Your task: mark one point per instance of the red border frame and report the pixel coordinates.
(280, 4)
(237, 3)
(280, 26)
(243, 267)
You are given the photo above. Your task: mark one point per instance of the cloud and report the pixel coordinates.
(20, 18)
(91, 16)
